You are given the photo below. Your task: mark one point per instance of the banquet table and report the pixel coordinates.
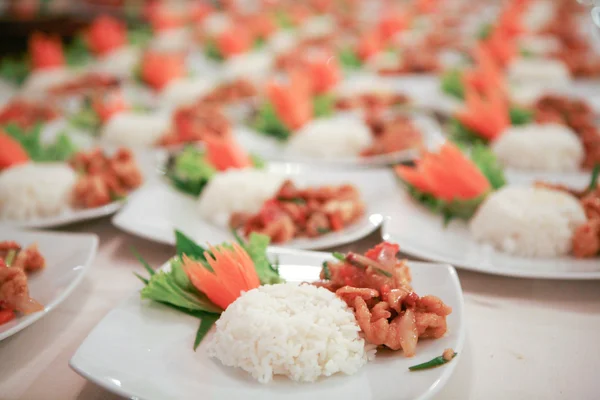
(526, 338)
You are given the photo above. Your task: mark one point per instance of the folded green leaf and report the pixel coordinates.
(452, 84)
(268, 122)
(349, 59)
(60, 150)
(520, 116)
(594, 180)
(488, 164)
(77, 53)
(14, 70)
(190, 171)
(462, 135)
(206, 322)
(323, 105)
(185, 245)
(212, 52)
(139, 35)
(256, 247)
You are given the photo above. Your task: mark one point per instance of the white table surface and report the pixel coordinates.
(526, 339)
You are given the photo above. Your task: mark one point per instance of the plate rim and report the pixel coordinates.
(433, 389)
(94, 241)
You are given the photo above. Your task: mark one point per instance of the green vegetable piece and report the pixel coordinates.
(323, 105)
(212, 51)
(485, 31)
(256, 247)
(142, 261)
(452, 84)
(77, 53)
(191, 171)
(14, 70)
(268, 123)
(283, 20)
(339, 256)
(295, 200)
(139, 35)
(594, 180)
(488, 164)
(462, 135)
(520, 116)
(326, 271)
(259, 43)
(349, 59)
(323, 231)
(436, 362)
(185, 245)
(206, 322)
(86, 119)
(257, 161)
(526, 53)
(10, 257)
(61, 150)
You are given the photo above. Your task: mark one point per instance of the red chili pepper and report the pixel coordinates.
(6, 315)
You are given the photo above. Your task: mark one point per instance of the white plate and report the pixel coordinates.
(270, 148)
(144, 350)
(155, 211)
(68, 257)
(422, 234)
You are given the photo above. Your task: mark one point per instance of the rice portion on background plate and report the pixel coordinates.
(236, 190)
(300, 331)
(36, 190)
(528, 221)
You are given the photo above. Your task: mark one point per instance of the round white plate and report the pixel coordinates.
(144, 350)
(68, 257)
(271, 149)
(422, 234)
(156, 210)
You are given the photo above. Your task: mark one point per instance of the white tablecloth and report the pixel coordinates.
(526, 339)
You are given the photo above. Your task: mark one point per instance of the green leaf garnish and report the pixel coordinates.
(212, 52)
(323, 231)
(594, 180)
(185, 245)
(452, 84)
(77, 53)
(339, 256)
(283, 20)
(256, 247)
(349, 59)
(485, 31)
(14, 70)
(10, 257)
(462, 135)
(258, 161)
(520, 116)
(206, 322)
(60, 150)
(295, 200)
(488, 164)
(268, 122)
(139, 35)
(323, 105)
(436, 362)
(190, 171)
(326, 271)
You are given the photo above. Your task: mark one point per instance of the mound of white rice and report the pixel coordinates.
(35, 190)
(540, 147)
(553, 72)
(361, 83)
(329, 138)
(184, 91)
(302, 332)
(135, 129)
(540, 45)
(216, 23)
(254, 66)
(319, 26)
(282, 41)
(176, 39)
(39, 82)
(528, 221)
(236, 190)
(120, 63)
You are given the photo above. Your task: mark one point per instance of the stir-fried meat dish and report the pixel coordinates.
(377, 287)
(193, 123)
(86, 84)
(104, 179)
(577, 115)
(414, 61)
(586, 239)
(227, 93)
(371, 101)
(15, 263)
(391, 135)
(27, 114)
(307, 212)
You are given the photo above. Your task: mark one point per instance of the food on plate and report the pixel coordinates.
(309, 212)
(35, 190)
(577, 115)
(302, 331)
(39, 190)
(446, 356)
(158, 69)
(38, 150)
(130, 128)
(267, 332)
(194, 122)
(102, 178)
(325, 138)
(586, 238)
(15, 263)
(231, 92)
(252, 188)
(377, 286)
(392, 134)
(224, 271)
(539, 147)
(451, 183)
(184, 91)
(11, 152)
(528, 221)
(26, 114)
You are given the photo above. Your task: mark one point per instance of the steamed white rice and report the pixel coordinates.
(216, 23)
(330, 138)
(540, 45)
(184, 91)
(36, 190)
(318, 26)
(120, 62)
(135, 129)
(236, 190)
(528, 221)
(302, 332)
(255, 66)
(361, 83)
(540, 147)
(552, 72)
(176, 39)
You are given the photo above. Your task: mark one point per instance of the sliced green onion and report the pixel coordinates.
(436, 362)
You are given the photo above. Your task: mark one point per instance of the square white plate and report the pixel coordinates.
(422, 234)
(155, 211)
(68, 257)
(144, 350)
